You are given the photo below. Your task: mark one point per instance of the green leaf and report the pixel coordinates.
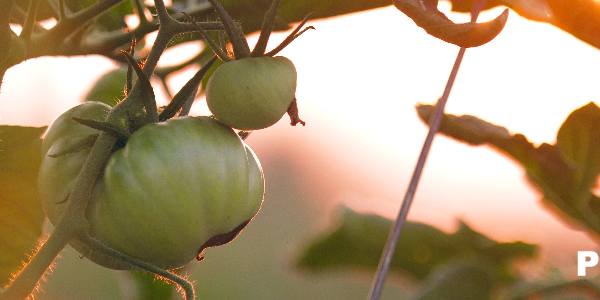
(578, 139)
(212, 70)
(114, 19)
(151, 288)
(21, 209)
(458, 280)
(109, 88)
(564, 173)
(359, 240)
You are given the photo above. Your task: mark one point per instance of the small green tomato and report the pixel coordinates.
(253, 92)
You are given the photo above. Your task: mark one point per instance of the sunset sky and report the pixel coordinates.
(359, 78)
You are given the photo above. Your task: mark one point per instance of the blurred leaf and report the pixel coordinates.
(458, 280)
(579, 141)
(250, 13)
(114, 19)
(581, 18)
(21, 212)
(427, 16)
(537, 10)
(151, 288)
(109, 88)
(564, 173)
(359, 240)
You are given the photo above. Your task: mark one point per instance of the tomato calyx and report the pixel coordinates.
(293, 113)
(238, 41)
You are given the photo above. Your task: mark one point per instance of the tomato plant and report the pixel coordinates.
(176, 187)
(252, 90)
(130, 188)
(252, 93)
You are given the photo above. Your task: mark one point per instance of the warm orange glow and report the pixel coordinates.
(359, 77)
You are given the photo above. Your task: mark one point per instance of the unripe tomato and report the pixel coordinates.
(252, 93)
(166, 195)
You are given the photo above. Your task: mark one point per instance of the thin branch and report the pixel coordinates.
(236, 37)
(140, 11)
(188, 90)
(70, 25)
(213, 45)
(292, 36)
(30, 21)
(62, 10)
(53, 8)
(435, 122)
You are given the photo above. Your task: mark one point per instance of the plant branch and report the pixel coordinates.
(98, 246)
(236, 36)
(292, 36)
(187, 91)
(70, 25)
(140, 12)
(30, 20)
(62, 10)
(212, 44)
(435, 122)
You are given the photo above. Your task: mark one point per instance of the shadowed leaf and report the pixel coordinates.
(109, 88)
(565, 173)
(458, 280)
(21, 213)
(438, 25)
(358, 241)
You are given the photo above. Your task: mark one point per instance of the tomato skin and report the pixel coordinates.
(172, 187)
(252, 93)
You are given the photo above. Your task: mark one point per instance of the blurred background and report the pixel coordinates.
(359, 79)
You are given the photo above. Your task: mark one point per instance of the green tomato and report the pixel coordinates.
(252, 93)
(176, 187)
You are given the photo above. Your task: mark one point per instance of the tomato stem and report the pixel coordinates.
(220, 53)
(265, 32)
(185, 92)
(96, 245)
(143, 89)
(292, 36)
(434, 125)
(236, 36)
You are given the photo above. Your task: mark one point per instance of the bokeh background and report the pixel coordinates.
(359, 78)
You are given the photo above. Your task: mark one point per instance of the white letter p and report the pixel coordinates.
(582, 263)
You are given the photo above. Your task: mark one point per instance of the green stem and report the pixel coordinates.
(168, 29)
(98, 246)
(30, 20)
(47, 43)
(265, 32)
(140, 11)
(216, 49)
(236, 36)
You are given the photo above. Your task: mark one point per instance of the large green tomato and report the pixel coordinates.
(176, 187)
(252, 93)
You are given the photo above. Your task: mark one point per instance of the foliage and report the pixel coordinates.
(565, 172)
(461, 265)
(21, 211)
